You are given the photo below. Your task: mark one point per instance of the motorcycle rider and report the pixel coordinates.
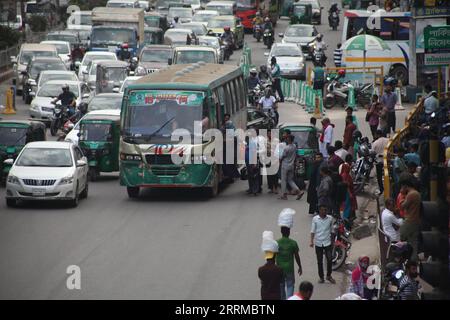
(124, 54)
(67, 98)
(268, 26)
(319, 46)
(253, 80)
(268, 104)
(227, 36)
(333, 8)
(257, 20)
(77, 54)
(263, 74)
(174, 22)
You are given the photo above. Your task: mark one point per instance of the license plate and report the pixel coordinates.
(38, 192)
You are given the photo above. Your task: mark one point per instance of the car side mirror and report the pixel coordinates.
(116, 90)
(81, 163)
(169, 61)
(9, 162)
(281, 35)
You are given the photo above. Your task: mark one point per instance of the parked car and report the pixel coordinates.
(48, 170)
(152, 58)
(42, 107)
(32, 72)
(290, 59)
(63, 50)
(27, 52)
(301, 35)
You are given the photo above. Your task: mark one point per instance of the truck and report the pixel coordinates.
(111, 27)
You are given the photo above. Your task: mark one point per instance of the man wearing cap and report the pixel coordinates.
(287, 251)
(270, 274)
(321, 238)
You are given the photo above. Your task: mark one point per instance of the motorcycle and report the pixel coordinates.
(257, 32)
(319, 58)
(68, 126)
(364, 94)
(60, 117)
(363, 166)
(342, 243)
(268, 38)
(337, 93)
(227, 49)
(333, 18)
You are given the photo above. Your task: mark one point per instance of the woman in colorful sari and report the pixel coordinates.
(350, 205)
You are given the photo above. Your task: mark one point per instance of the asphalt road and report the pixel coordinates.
(166, 245)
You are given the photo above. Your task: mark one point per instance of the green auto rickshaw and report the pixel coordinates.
(302, 14)
(110, 76)
(285, 8)
(153, 35)
(99, 140)
(305, 137)
(14, 135)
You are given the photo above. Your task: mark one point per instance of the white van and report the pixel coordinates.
(27, 52)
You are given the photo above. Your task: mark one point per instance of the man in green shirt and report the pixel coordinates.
(287, 250)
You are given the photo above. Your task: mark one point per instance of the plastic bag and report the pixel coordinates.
(268, 242)
(286, 218)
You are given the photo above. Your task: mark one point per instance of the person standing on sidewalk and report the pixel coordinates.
(373, 115)
(388, 100)
(326, 137)
(314, 182)
(348, 140)
(287, 251)
(321, 238)
(325, 188)
(378, 147)
(287, 170)
(276, 76)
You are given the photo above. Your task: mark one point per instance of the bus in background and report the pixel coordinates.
(392, 27)
(156, 105)
(246, 11)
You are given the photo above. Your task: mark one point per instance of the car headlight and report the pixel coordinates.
(130, 157)
(66, 180)
(34, 107)
(13, 179)
(301, 64)
(198, 159)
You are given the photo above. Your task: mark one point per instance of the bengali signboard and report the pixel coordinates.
(437, 37)
(431, 11)
(437, 59)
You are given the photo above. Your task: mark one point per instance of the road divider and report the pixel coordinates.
(301, 93)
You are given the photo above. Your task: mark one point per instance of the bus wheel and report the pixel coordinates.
(133, 192)
(214, 189)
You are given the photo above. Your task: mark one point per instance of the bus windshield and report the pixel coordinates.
(153, 115)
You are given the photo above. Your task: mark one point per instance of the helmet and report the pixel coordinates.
(341, 72)
(357, 135)
(263, 68)
(226, 28)
(390, 81)
(65, 86)
(267, 19)
(125, 46)
(83, 107)
(253, 71)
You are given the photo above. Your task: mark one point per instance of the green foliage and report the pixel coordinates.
(37, 23)
(8, 37)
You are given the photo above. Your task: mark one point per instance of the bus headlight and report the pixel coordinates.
(130, 157)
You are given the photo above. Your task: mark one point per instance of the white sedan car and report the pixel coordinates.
(63, 50)
(48, 170)
(94, 55)
(42, 107)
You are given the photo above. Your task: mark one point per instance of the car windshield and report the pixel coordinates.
(10, 136)
(286, 51)
(305, 139)
(27, 56)
(185, 57)
(210, 42)
(115, 74)
(299, 32)
(91, 131)
(39, 66)
(105, 103)
(152, 21)
(180, 12)
(203, 17)
(51, 90)
(221, 23)
(43, 78)
(155, 55)
(45, 157)
(88, 58)
(199, 30)
(299, 10)
(223, 10)
(61, 48)
(154, 115)
(113, 36)
(72, 39)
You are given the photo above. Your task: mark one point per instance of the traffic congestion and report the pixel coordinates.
(151, 144)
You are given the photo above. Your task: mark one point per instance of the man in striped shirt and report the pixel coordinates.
(338, 55)
(409, 287)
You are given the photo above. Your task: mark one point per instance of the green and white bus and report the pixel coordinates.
(173, 98)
